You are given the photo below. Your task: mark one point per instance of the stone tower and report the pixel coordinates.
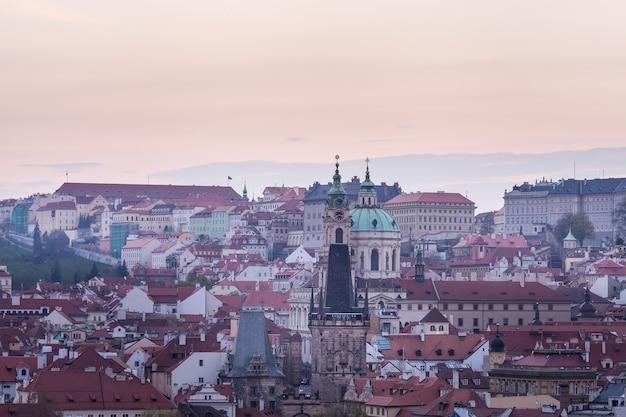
(257, 380)
(338, 326)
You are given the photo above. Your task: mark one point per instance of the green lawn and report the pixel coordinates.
(26, 273)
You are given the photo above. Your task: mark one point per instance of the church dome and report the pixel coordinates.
(372, 219)
(367, 215)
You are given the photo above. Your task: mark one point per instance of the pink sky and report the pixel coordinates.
(114, 91)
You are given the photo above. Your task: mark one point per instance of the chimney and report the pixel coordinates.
(455, 378)
(182, 339)
(202, 336)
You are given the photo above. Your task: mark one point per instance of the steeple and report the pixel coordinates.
(339, 291)
(367, 192)
(245, 192)
(419, 266)
(337, 195)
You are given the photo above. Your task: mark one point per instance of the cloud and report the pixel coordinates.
(70, 166)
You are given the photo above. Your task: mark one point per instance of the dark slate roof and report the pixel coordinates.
(319, 192)
(339, 297)
(578, 187)
(252, 339)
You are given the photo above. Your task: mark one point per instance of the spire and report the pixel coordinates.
(419, 266)
(367, 192)
(337, 197)
(245, 192)
(339, 289)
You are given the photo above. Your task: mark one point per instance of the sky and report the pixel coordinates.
(133, 91)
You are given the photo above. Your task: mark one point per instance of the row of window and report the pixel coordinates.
(491, 306)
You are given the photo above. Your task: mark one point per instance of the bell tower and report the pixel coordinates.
(337, 214)
(338, 325)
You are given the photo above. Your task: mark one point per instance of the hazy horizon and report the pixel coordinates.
(130, 91)
(482, 178)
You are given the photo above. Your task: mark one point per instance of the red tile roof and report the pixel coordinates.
(149, 190)
(437, 198)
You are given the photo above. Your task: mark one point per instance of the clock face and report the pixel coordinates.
(339, 214)
(338, 201)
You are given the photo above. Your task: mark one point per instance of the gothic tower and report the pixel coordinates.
(338, 326)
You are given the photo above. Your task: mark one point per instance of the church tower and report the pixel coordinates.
(338, 326)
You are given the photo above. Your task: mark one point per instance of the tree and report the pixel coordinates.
(562, 227)
(37, 245)
(582, 227)
(619, 217)
(55, 272)
(94, 270)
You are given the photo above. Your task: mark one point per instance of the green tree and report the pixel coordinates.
(55, 272)
(124, 270)
(582, 227)
(619, 217)
(37, 245)
(94, 270)
(192, 280)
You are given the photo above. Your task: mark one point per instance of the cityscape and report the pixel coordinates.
(342, 293)
(312, 209)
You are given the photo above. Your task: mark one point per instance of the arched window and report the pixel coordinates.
(339, 235)
(374, 260)
(432, 328)
(393, 260)
(441, 328)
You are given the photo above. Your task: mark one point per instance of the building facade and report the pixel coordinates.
(432, 216)
(530, 208)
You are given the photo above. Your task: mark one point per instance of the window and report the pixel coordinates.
(520, 306)
(475, 306)
(475, 322)
(201, 362)
(505, 306)
(201, 379)
(460, 322)
(445, 306)
(490, 306)
(460, 306)
(374, 260)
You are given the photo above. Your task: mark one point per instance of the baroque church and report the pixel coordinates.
(362, 242)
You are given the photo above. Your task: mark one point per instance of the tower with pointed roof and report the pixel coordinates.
(338, 325)
(256, 378)
(244, 196)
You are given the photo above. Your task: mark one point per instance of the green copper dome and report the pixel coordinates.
(372, 219)
(368, 216)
